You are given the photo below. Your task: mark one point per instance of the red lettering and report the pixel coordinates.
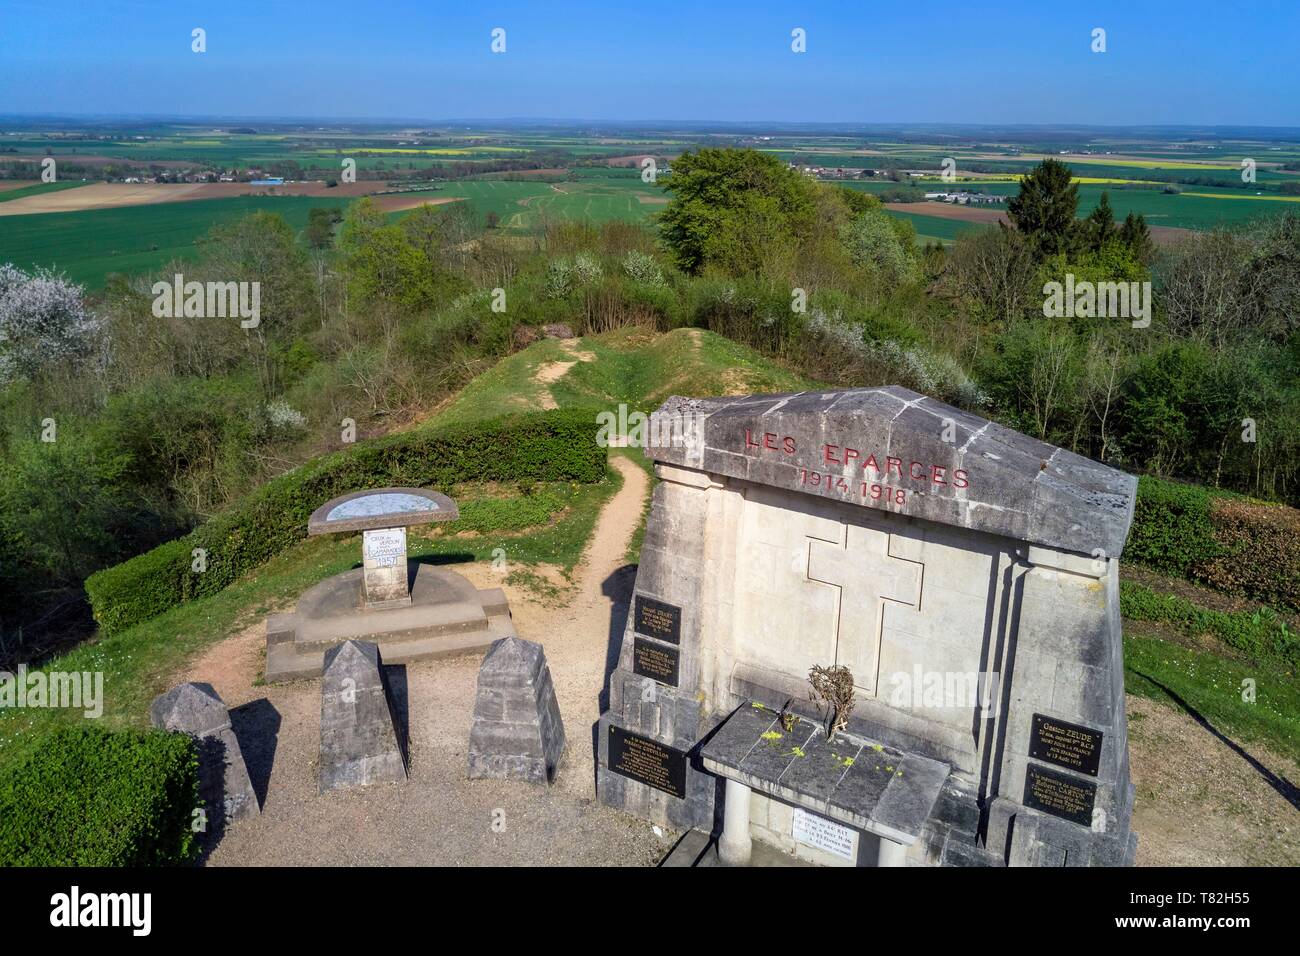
(749, 440)
(789, 445)
(769, 441)
(871, 463)
(912, 469)
(826, 453)
(960, 479)
(850, 453)
(892, 462)
(936, 474)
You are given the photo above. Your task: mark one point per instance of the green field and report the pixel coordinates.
(1185, 210)
(525, 205)
(90, 245)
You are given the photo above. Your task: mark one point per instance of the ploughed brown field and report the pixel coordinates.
(111, 195)
(1161, 235)
(397, 203)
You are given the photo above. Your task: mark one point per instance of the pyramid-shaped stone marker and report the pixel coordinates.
(358, 739)
(517, 730)
(197, 710)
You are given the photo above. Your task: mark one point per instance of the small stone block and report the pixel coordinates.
(517, 731)
(197, 709)
(358, 737)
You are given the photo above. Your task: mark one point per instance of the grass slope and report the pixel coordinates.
(631, 366)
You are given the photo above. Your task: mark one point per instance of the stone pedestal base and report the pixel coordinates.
(447, 615)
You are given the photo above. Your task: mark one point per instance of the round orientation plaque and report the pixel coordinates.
(382, 508)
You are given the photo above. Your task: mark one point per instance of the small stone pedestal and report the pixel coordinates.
(358, 738)
(197, 710)
(517, 730)
(384, 574)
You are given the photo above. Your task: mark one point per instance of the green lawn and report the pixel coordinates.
(1211, 688)
(91, 244)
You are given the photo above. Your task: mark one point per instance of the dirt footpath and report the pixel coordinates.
(1205, 801)
(438, 817)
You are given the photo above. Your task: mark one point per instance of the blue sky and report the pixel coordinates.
(1027, 61)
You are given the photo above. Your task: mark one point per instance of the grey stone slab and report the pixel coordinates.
(739, 733)
(517, 730)
(910, 796)
(769, 757)
(197, 709)
(823, 766)
(872, 771)
(358, 736)
(857, 781)
(1010, 484)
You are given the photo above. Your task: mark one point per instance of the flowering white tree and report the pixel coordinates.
(43, 321)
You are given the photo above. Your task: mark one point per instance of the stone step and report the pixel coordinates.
(288, 660)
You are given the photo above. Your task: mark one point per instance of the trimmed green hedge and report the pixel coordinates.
(1172, 529)
(101, 798)
(1261, 634)
(551, 446)
(1224, 540)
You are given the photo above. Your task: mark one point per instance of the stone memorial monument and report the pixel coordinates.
(413, 611)
(358, 736)
(197, 710)
(967, 577)
(517, 730)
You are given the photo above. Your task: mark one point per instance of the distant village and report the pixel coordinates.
(253, 177)
(960, 197)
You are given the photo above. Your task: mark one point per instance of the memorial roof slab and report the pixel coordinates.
(952, 466)
(382, 508)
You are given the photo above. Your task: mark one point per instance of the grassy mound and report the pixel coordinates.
(631, 366)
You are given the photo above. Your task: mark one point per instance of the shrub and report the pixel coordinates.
(552, 446)
(1233, 544)
(1258, 551)
(1262, 633)
(1172, 530)
(643, 268)
(101, 798)
(42, 321)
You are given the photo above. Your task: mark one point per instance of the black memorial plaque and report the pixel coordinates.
(1067, 745)
(654, 660)
(1060, 795)
(656, 619)
(647, 761)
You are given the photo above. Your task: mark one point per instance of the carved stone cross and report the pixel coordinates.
(861, 568)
